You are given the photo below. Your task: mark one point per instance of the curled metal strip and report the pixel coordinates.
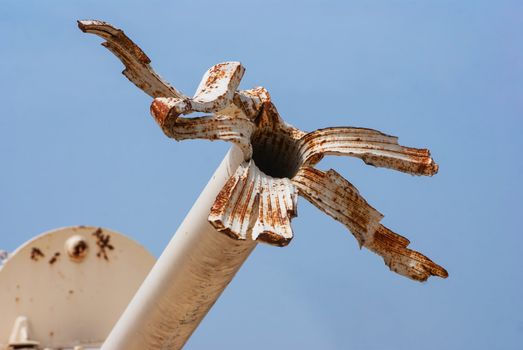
(218, 127)
(373, 147)
(136, 62)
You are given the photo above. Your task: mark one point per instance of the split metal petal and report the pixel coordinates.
(253, 203)
(373, 147)
(393, 248)
(219, 127)
(137, 68)
(233, 208)
(276, 208)
(337, 197)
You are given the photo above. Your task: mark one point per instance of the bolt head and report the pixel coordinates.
(76, 248)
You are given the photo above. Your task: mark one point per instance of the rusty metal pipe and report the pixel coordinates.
(187, 279)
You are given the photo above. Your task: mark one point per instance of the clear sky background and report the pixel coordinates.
(78, 146)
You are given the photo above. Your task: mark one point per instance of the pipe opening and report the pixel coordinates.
(275, 153)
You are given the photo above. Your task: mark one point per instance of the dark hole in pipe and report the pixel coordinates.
(275, 153)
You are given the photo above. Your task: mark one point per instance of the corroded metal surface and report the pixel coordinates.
(337, 197)
(373, 147)
(254, 204)
(259, 200)
(221, 127)
(216, 90)
(137, 68)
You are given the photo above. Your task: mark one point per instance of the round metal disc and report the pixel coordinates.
(72, 284)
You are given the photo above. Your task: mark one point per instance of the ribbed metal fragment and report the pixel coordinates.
(256, 206)
(250, 102)
(373, 147)
(219, 127)
(337, 197)
(410, 263)
(137, 68)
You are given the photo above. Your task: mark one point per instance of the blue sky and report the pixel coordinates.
(78, 146)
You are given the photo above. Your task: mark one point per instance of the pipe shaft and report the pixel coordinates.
(187, 279)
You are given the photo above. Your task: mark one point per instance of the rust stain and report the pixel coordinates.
(217, 72)
(226, 128)
(245, 207)
(36, 254)
(160, 111)
(102, 241)
(400, 259)
(371, 146)
(54, 258)
(79, 250)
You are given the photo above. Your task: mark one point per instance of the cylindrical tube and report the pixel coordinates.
(187, 279)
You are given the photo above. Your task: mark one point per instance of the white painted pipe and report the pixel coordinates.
(187, 279)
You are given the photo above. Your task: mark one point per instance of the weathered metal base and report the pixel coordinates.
(67, 287)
